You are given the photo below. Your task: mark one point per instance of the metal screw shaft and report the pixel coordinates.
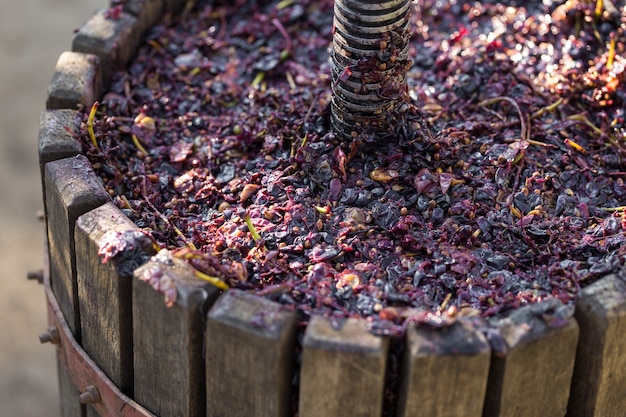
(370, 62)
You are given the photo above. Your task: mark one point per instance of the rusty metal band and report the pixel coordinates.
(98, 390)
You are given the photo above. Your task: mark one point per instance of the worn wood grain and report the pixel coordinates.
(343, 370)
(72, 189)
(445, 371)
(113, 40)
(55, 140)
(532, 362)
(168, 341)
(250, 357)
(104, 289)
(599, 382)
(76, 81)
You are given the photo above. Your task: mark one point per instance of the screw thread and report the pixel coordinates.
(370, 62)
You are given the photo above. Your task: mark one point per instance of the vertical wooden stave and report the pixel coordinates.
(56, 141)
(343, 370)
(445, 371)
(250, 356)
(599, 381)
(532, 362)
(168, 340)
(71, 190)
(104, 290)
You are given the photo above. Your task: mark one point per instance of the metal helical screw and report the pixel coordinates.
(370, 62)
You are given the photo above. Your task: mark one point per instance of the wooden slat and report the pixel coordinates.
(532, 364)
(55, 141)
(343, 370)
(114, 40)
(168, 341)
(72, 189)
(147, 12)
(76, 81)
(599, 382)
(104, 290)
(445, 371)
(250, 356)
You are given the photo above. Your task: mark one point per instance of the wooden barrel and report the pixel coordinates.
(141, 335)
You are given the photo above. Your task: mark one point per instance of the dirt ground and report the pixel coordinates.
(33, 33)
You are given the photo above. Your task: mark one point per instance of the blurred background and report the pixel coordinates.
(33, 33)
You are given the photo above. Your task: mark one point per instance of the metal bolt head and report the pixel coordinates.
(35, 276)
(90, 395)
(50, 336)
